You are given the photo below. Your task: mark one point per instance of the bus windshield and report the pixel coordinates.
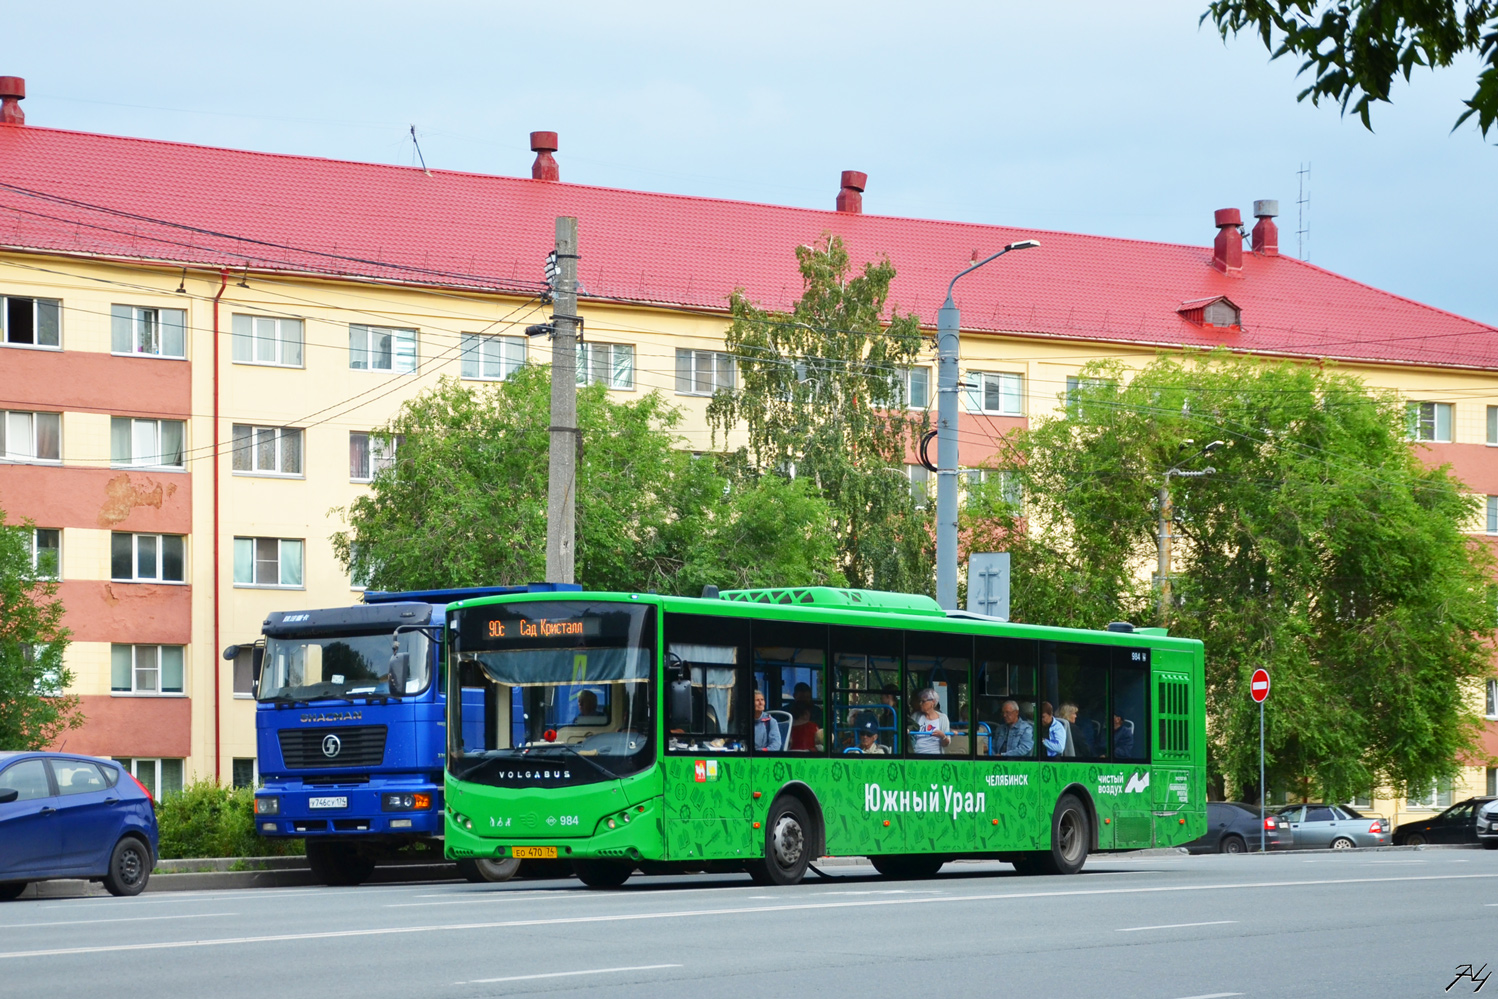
(309, 668)
(561, 684)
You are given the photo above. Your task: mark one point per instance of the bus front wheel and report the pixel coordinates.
(602, 873)
(788, 839)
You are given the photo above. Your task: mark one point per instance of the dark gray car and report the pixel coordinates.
(1336, 827)
(1233, 827)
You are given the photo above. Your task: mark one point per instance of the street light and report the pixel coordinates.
(948, 323)
(1167, 516)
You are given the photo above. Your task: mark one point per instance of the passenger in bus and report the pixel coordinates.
(868, 737)
(1052, 731)
(933, 730)
(804, 730)
(1012, 737)
(766, 729)
(1074, 735)
(890, 698)
(1123, 738)
(801, 696)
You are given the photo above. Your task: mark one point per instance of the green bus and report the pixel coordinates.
(758, 730)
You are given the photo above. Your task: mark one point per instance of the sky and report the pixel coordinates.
(1109, 118)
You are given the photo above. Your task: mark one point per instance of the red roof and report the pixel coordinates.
(141, 199)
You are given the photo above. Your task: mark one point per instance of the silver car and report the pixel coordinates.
(1336, 827)
(1487, 825)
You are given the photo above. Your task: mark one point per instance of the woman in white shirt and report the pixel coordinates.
(933, 731)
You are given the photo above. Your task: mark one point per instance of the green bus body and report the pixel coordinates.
(704, 808)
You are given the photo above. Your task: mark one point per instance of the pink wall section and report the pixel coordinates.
(91, 382)
(132, 726)
(100, 498)
(144, 613)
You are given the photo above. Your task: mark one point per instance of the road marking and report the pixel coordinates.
(1175, 926)
(1214, 995)
(737, 911)
(566, 974)
(124, 919)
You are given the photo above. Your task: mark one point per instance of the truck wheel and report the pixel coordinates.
(129, 867)
(338, 864)
(602, 873)
(484, 871)
(788, 839)
(11, 890)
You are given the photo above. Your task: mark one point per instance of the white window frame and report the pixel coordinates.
(246, 655)
(1006, 386)
(56, 305)
(36, 551)
(1493, 514)
(148, 771)
(489, 357)
(720, 373)
(139, 670)
(254, 770)
(376, 453)
(920, 485)
(1419, 422)
(1438, 797)
(248, 453)
(136, 427)
(285, 580)
(1493, 426)
(616, 360)
(159, 541)
(362, 356)
(907, 388)
(1490, 708)
(12, 419)
(1009, 484)
(268, 340)
(140, 331)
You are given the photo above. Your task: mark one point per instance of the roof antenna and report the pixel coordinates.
(418, 152)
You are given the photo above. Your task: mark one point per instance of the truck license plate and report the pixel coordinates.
(533, 852)
(338, 802)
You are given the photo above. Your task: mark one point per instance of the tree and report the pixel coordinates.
(1355, 48)
(464, 503)
(34, 706)
(821, 392)
(1320, 547)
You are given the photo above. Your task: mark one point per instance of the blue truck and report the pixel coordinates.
(350, 727)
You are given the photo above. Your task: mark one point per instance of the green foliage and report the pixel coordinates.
(34, 706)
(819, 390)
(1320, 547)
(465, 502)
(206, 820)
(1355, 48)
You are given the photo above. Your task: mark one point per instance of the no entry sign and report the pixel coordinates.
(1258, 686)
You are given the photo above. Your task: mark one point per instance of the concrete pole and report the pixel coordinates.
(1163, 568)
(561, 495)
(948, 323)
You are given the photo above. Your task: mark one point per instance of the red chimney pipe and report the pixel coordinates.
(850, 198)
(1266, 233)
(12, 93)
(1227, 251)
(543, 144)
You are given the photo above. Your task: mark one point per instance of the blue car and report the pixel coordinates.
(66, 816)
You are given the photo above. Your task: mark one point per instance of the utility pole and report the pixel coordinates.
(1167, 519)
(561, 495)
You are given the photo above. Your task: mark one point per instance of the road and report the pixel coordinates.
(1324, 925)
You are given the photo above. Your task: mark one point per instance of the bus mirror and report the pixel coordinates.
(400, 668)
(680, 704)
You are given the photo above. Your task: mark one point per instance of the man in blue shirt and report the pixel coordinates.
(1012, 737)
(766, 729)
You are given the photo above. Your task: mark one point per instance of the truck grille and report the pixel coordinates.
(353, 745)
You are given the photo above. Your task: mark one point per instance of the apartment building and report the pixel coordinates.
(197, 342)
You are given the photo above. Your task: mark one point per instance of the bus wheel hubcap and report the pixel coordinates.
(1071, 836)
(787, 841)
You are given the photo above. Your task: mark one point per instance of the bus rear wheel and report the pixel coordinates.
(602, 873)
(1071, 836)
(484, 871)
(788, 839)
(908, 866)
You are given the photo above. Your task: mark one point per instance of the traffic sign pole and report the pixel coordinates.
(1258, 689)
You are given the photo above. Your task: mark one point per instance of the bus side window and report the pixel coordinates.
(866, 687)
(1129, 721)
(1005, 685)
(1074, 681)
(706, 679)
(941, 663)
(790, 662)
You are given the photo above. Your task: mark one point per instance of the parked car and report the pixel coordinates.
(1457, 824)
(1487, 825)
(1339, 827)
(1233, 827)
(68, 816)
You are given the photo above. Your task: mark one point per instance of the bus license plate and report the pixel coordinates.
(338, 802)
(533, 852)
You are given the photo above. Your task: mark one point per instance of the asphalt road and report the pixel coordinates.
(1323, 925)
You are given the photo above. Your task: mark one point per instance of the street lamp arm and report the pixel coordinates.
(1023, 244)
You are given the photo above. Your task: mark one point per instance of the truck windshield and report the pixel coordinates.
(563, 685)
(309, 668)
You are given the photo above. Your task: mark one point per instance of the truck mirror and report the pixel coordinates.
(400, 669)
(230, 653)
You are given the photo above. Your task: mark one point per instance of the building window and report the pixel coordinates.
(1430, 421)
(146, 443)
(244, 672)
(992, 392)
(153, 332)
(1493, 424)
(703, 372)
(920, 482)
(915, 384)
(1492, 790)
(1491, 708)
(160, 777)
(611, 365)
(264, 340)
(267, 450)
(1439, 796)
(1361, 801)
(145, 669)
(46, 552)
(369, 454)
(1009, 484)
(31, 436)
(381, 348)
(31, 322)
(494, 358)
(267, 562)
(1493, 514)
(242, 772)
(147, 558)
